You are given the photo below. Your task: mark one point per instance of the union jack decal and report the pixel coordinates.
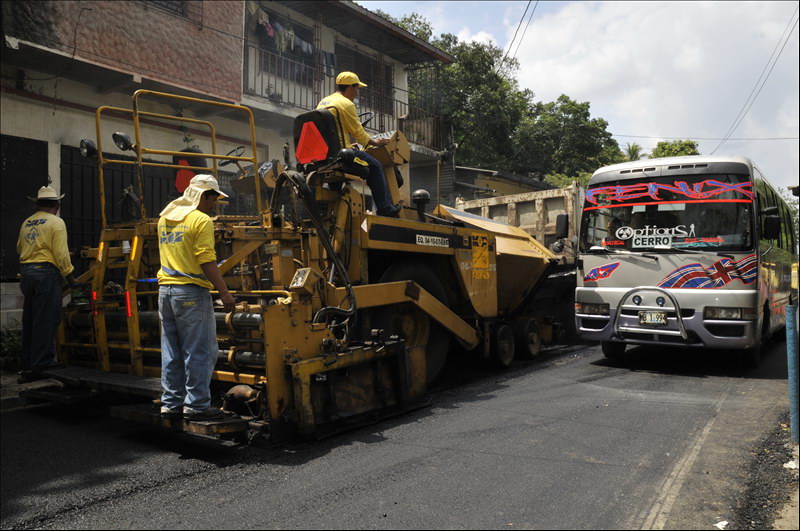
(600, 273)
(717, 275)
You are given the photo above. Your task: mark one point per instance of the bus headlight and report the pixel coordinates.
(717, 312)
(591, 308)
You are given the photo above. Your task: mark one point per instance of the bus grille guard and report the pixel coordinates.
(676, 307)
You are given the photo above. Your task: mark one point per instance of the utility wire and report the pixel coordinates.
(521, 20)
(743, 111)
(526, 29)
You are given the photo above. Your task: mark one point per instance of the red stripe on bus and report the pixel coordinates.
(671, 202)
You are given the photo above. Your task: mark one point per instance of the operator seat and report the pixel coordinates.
(316, 142)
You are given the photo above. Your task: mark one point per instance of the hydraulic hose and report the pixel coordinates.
(299, 188)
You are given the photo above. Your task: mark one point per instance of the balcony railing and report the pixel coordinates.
(292, 84)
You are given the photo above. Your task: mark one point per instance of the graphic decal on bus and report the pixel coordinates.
(600, 273)
(704, 190)
(717, 275)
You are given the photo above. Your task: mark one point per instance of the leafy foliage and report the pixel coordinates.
(498, 125)
(675, 148)
(792, 203)
(559, 180)
(633, 152)
(561, 137)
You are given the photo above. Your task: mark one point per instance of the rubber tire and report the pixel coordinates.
(751, 358)
(612, 349)
(529, 339)
(392, 318)
(502, 346)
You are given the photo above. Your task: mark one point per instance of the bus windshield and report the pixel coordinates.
(691, 213)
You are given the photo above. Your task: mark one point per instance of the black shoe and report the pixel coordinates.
(30, 376)
(390, 212)
(203, 416)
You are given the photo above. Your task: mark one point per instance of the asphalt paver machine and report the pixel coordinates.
(343, 316)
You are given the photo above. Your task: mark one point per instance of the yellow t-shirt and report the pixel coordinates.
(43, 238)
(348, 118)
(183, 246)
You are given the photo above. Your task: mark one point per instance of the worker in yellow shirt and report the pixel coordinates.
(188, 326)
(44, 261)
(347, 88)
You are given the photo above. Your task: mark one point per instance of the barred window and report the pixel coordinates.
(188, 9)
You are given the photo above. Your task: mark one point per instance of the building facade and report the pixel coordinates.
(61, 60)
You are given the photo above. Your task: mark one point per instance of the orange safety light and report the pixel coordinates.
(128, 303)
(94, 303)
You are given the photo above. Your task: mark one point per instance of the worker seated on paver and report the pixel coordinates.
(347, 88)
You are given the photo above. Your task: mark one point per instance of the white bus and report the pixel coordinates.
(685, 251)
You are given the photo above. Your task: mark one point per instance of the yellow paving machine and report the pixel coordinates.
(343, 316)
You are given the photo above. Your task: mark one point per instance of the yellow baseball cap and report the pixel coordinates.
(349, 78)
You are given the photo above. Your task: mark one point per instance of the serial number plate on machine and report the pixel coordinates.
(653, 318)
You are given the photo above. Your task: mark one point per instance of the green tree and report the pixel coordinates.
(674, 148)
(498, 125)
(792, 202)
(483, 104)
(633, 152)
(559, 180)
(413, 23)
(561, 137)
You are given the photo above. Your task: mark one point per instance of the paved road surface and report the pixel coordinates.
(659, 439)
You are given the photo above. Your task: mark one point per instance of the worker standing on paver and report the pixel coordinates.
(44, 261)
(188, 326)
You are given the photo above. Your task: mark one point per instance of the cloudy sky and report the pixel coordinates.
(654, 70)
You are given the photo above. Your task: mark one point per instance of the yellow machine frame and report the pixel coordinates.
(306, 373)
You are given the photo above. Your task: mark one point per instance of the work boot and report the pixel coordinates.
(30, 376)
(390, 211)
(167, 412)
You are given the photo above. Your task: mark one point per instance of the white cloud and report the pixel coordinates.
(673, 69)
(659, 69)
(483, 37)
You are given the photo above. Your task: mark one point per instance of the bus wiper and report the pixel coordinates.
(596, 248)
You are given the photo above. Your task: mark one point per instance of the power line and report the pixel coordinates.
(526, 29)
(521, 20)
(743, 112)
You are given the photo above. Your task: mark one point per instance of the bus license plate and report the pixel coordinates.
(653, 318)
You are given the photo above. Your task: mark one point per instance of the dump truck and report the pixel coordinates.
(552, 217)
(344, 317)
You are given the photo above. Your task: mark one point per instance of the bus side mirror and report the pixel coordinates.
(562, 226)
(772, 227)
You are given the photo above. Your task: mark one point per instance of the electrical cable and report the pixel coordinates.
(743, 112)
(525, 30)
(521, 20)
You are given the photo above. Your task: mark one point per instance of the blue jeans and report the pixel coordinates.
(41, 313)
(188, 346)
(376, 182)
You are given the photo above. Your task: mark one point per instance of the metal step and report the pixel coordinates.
(150, 414)
(107, 381)
(66, 396)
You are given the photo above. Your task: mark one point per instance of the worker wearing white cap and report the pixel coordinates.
(44, 261)
(188, 326)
